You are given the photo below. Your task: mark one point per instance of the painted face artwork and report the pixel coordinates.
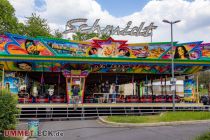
(25, 66)
(93, 51)
(108, 50)
(121, 52)
(181, 52)
(32, 49)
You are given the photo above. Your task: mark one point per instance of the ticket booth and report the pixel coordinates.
(75, 78)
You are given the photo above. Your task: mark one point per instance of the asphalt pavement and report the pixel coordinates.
(94, 130)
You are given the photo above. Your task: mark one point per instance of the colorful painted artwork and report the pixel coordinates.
(11, 44)
(188, 51)
(149, 50)
(100, 68)
(19, 45)
(108, 48)
(140, 51)
(205, 48)
(11, 84)
(180, 69)
(189, 87)
(66, 48)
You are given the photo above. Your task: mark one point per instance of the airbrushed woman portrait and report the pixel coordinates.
(25, 66)
(181, 52)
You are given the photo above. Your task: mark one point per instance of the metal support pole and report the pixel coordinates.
(173, 82)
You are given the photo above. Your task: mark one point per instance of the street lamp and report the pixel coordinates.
(173, 82)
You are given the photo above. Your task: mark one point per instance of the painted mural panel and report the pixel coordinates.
(67, 48)
(11, 82)
(143, 68)
(3, 42)
(99, 68)
(188, 51)
(20, 45)
(184, 51)
(180, 69)
(189, 87)
(149, 50)
(205, 47)
(108, 48)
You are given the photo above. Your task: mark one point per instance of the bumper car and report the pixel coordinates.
(57, 99)
(42, 99)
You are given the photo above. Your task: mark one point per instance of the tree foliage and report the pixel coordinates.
(82, 36)
(203, 78)
(8, 111)
(37, 26)
(34, 26)
(8, 21)
(58, 34)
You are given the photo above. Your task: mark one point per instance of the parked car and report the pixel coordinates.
(205, 99)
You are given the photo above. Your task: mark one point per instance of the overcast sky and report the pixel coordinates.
(194, 15)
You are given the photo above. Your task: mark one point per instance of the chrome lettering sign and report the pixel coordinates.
(140, 30)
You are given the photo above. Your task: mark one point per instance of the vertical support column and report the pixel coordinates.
(133, 84)
(146, 83)
(83, 90)
(198, 96)
(67, 96)
(68, 89)
(165, 85)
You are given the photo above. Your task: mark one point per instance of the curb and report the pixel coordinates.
(103, 120)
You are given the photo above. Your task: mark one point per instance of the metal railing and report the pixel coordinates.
(94, 112)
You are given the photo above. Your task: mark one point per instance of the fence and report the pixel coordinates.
(89, 112)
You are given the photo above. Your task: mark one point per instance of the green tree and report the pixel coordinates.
(20, 29)
(8, 21)
(36, 26)
(8, 111)
(58, 34)
(203, 78)
(104, 36)
(82, 36)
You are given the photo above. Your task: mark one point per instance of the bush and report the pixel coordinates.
(8, 111)
(9, 138)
